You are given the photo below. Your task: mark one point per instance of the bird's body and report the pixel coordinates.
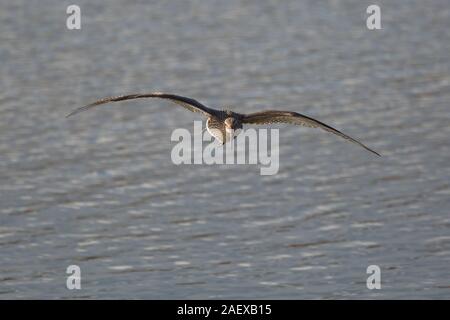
(224, 125)
(222, 129)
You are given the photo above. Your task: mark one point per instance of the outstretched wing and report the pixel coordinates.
(188, 103)
(268, 117)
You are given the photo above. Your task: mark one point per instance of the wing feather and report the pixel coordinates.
(272, 116)
(187, 103)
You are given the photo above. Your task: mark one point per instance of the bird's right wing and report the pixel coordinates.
(273, 116)
(188, 103)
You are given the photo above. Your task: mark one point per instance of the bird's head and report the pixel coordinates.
(232, 124)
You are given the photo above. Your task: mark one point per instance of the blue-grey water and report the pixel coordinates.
(100, 191)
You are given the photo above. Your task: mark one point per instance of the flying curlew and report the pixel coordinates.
(224, 124)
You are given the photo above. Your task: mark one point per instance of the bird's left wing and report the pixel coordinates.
(188, 103)
(272, 116)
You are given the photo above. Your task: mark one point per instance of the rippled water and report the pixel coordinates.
(99, 190)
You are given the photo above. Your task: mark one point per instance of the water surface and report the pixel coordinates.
(100, 191)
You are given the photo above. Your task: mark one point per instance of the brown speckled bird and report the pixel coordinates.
(224, 124)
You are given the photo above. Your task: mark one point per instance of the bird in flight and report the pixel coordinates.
(225, 124)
